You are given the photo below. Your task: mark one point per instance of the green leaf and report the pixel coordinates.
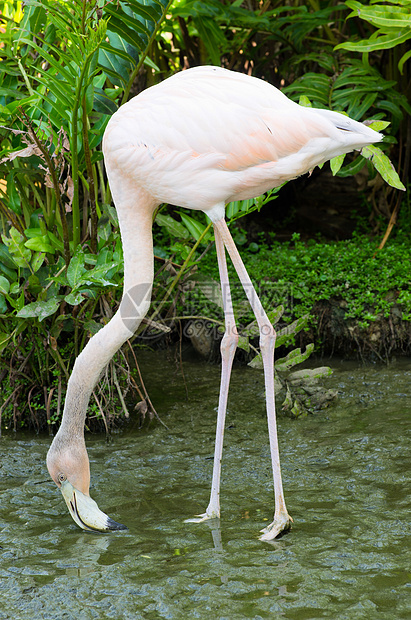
(378, 125)
(127, 27)
(151, 64)
(285, 363)
(39, 309)
(288, 400)
(239, 208)
(74, 299)
(59, 111)
(174, 228)
(358, 107)
(383, 165)
(403, 60)
(352, 168)
(309, 375)
(314, 86)
(287, 333)
(97, 275)
(40, 244)
(293, 358)
(257, 362)
(380, 43)
(212, 37)
(244, 343)
(394, 109)
(298, 409)
(305, 102)
(76, 268)
(380, 16)
(15, 243)
(56, 242)
(4, 285)
(115, 59)
(10, 273)
(92, 327)
(145, 10)
(5, 258)
(37, 261)
(336, 163)
(195, 228)
(62, 91)
(275, 315)
(4, 338)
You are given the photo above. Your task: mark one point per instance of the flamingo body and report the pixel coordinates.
(200, 139)
(208, 136)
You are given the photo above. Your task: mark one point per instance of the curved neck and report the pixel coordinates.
(135, 211)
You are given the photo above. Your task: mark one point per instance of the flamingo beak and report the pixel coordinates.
(85, 511)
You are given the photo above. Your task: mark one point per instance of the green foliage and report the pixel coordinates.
(312, 271)
(55, 63)
(358, 90)
(383, 165)
(63, 71)
(132, 28)
(65, 67)
(392, 21)
(240, 208)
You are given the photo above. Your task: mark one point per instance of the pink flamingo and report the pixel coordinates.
(199, 139)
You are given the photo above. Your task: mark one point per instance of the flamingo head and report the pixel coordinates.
(68, 466)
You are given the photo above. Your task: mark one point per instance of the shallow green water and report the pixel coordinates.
(346, 479)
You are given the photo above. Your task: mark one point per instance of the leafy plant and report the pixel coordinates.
(64, 69)
(392, 21)
(310, 272)
(63, 72)
(303, 395)
(390, 30)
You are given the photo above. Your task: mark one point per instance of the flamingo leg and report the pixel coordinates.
(228, 348)
(282, 520)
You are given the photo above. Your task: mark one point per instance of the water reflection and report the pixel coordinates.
(346, 481)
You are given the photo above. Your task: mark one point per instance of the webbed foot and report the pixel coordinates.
(279, 525)
(206, 516)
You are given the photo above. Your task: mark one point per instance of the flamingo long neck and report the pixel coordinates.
(135, 211)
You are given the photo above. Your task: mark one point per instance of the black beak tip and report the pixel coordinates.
(113, 525)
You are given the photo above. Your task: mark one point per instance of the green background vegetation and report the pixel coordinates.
(66, 67)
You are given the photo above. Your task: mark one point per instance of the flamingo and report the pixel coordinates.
(199, 139)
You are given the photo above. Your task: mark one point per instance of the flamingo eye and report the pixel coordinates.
(61, 478)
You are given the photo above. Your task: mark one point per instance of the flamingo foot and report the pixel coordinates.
(280, 524)
(210, 513)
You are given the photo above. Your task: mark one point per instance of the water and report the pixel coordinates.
(346, 479)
